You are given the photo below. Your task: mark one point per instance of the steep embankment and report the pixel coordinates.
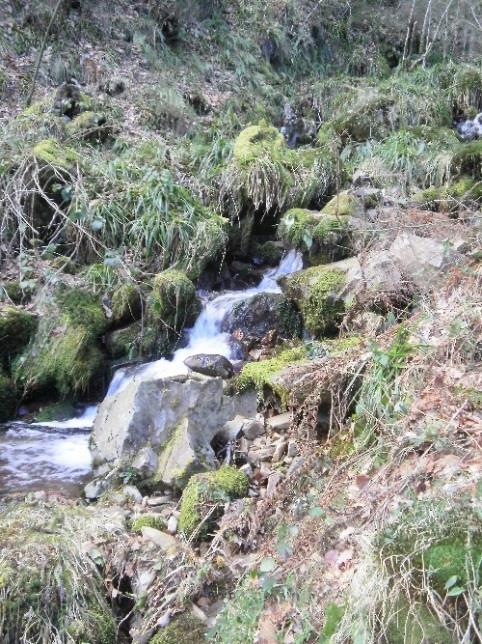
(330, 490)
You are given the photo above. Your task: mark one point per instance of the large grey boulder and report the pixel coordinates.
(176, 417)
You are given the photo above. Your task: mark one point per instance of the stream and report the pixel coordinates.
(55, 455)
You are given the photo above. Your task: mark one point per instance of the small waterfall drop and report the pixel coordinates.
(206, 335)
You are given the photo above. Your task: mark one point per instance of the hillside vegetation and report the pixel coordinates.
(154, 148)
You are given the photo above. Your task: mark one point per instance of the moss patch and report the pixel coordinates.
(315, 291)
(261, 375)
(65, 352)
(53, 153)
(343, 204)
(8, 398)
(126, 303)
(185, 629)
(451, 196)
(16, 328)
(148, 521)
(204, 496)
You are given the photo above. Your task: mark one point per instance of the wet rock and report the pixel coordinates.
(177, 417)
(145, 462)
(95, 489)
(261, 313)
(210, 365)
(253, 428)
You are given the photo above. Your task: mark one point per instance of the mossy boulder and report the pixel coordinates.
(323, 236)
(265, 176)
(8, 398)
(89, 126)
(204, 497)
(133, 341)
(317, 293)
(65, 352)
(172, 306)
(17, 326)
(126, 303)
(344, 204)
(184, 629)
(261, 375)
(51, 152)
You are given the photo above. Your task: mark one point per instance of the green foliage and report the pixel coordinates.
(238, 621)
(439, 542)
(451, 196)
(204, 497)
(53, 153)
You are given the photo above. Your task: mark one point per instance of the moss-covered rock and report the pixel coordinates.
(262, 375)
(204, 497)
(17, 326)
(265, 176)
(133, 341)
(324, 237)
(8, 398)
(344, 204)
(126, 303)
(51, 152)
(185, 629)
(415, 624)
(89, 126)
(449, 197)
(65, 352)
(148, 521)
(172, 305)
(316, 292)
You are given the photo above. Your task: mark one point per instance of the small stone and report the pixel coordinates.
(94, 489)
(132, 493)
(279, 451)
(253, 428)
(273, 481)
(263, 454)
(164, 541)
(280, 423)
(172, 525)
(296, 465)
(152, 501)
(247, 469)
(292, 449)
(210, 365)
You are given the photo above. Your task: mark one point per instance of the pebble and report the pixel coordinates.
(172, 525)
(279, 451)
(292, 449)
(158, 500)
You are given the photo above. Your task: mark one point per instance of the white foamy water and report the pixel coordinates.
(55, 455)
(206, 335)
(52, 455)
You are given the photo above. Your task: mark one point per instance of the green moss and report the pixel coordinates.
(414, 624)
(171, 306)
(343, 204)
(467, 159)
(65, 351)
(90, 126)
(184, 629)
(315, 290)
(133, 341)
(443, 538)
(270, 252)
(53, 153)
(256, 141)
(126, 303)
(61, 410)
(8, 398)
(261, 375)
(204, 496)
(450, 196)
(148, 521)
(16, 328)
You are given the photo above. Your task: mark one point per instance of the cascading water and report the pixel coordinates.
(206, 335)
(56, 454)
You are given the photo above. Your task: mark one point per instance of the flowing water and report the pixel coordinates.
(55, 455)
